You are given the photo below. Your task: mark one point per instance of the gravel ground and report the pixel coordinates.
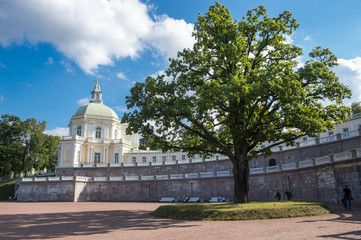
(119, 220)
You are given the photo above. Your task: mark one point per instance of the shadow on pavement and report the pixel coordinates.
(57, 225)
(343, 216)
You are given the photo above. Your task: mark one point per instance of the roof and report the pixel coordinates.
(96, 109)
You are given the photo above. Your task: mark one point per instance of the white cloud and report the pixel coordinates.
(2, 98)
(300, 62)
(122, 76)
(50, 61)
(120, 109)
(27, 84)
(58, 131)
(83, 101)
(69, 68)
(162, 72)
(170, 36)
(307, 38)
(349, 73)
(289, 39)
(93, 32)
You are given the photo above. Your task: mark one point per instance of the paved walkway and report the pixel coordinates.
(91, 220)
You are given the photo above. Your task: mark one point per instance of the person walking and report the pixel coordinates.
(347, 197)
(278, 195)
(289, 195)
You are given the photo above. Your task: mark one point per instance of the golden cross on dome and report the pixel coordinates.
(96, 81)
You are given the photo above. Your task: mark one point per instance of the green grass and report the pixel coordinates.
(231, 211)
(7, 189)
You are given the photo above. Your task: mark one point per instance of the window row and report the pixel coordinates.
(98, 132)
(154, 158)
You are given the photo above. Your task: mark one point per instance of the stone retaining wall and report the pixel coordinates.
(317, 183)
(317, 173)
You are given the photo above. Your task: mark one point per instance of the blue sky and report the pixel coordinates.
(51, 51)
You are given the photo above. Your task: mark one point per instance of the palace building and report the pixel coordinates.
(96, 136)
(98, 161)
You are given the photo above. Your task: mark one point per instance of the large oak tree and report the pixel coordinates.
(237, 87)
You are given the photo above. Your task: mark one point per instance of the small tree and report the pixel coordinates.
(237, 87)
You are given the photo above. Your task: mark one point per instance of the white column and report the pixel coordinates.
(121, 157)
(83, 130)
(74, 155)
(103, 155)
(89, 153)
(92, 154)
(60, 155)
(91, 159)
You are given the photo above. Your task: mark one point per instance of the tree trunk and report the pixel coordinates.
(241, 181)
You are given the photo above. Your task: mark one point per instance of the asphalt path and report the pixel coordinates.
(119, 220)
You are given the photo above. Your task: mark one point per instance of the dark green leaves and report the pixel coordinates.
(238, 87)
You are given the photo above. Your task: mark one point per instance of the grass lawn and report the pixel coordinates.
(7, 189)
(231, 211)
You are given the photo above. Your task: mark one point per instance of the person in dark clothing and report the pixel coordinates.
(289, 195)
(347, 197)
(278, 195)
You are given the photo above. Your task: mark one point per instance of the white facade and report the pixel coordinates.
(96, 135)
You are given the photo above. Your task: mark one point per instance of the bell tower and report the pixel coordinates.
(96, 94)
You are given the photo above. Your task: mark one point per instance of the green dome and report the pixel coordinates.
(96, 109)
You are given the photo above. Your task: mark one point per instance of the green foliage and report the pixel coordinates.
(7, 190)
(23, 145)
(251, 211)
(239, 86)
(355, 107)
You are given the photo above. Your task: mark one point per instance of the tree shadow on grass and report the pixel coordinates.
(57, 225)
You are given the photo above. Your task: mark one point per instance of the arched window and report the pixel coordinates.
(78, 131)
(272, 162)
(98, 132)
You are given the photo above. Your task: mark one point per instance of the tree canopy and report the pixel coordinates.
(23, 145)
(239, 86)
(356, 107)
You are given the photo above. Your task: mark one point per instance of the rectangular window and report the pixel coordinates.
(263, 146)
(174, 158)
(97, 157)
(116, 158)
(98, 132)
(345, 132)
(154, 159)
(193, 156)
(304, 139)
(164, 158)
(330, 136)
(183, 157)
(134, 159)
(144, 159)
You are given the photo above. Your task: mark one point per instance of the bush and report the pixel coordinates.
(7, 189)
